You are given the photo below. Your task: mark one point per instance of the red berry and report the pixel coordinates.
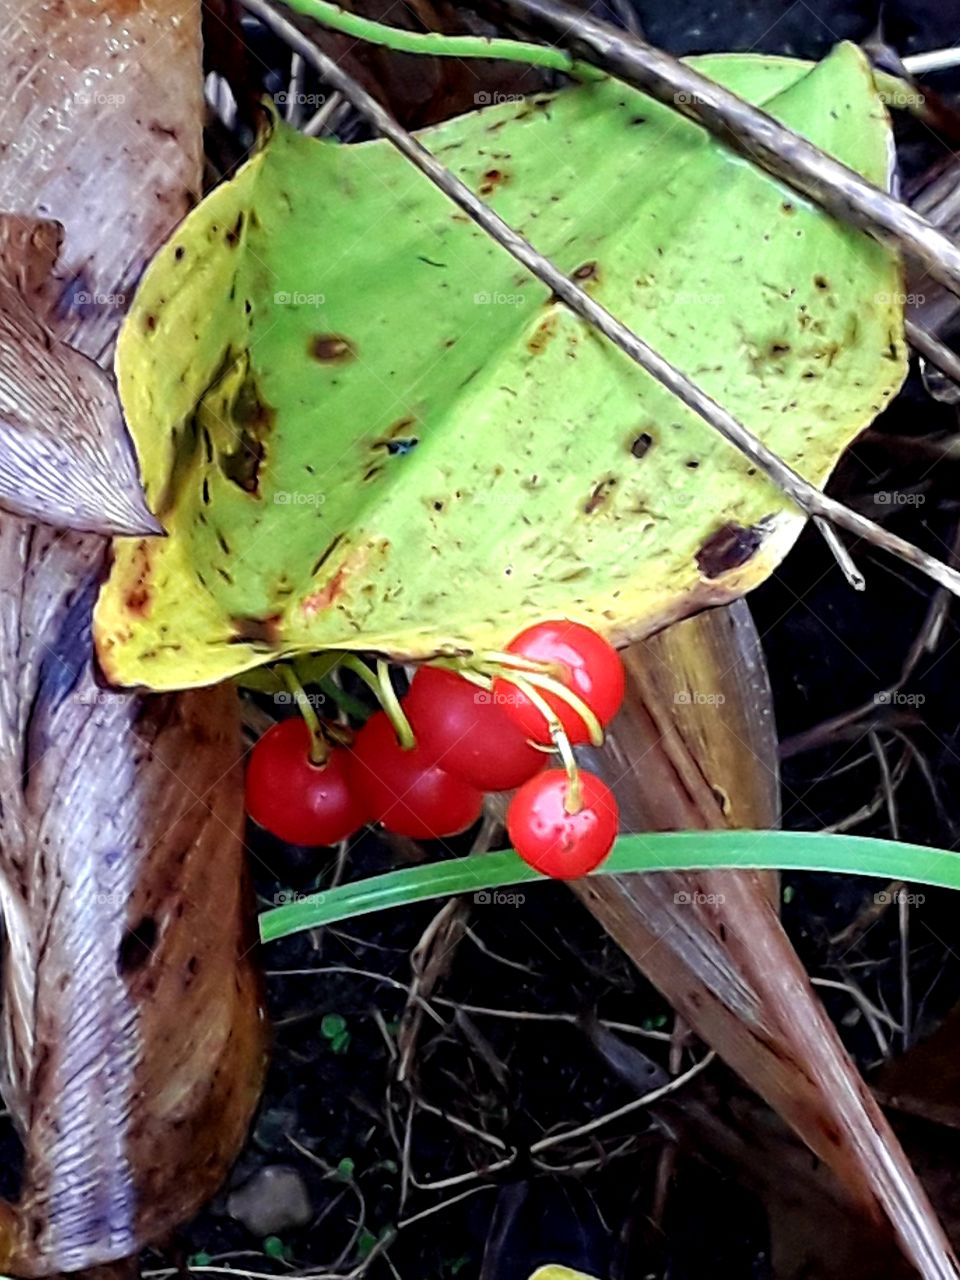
(405, 790)
(461, 728)
(553, 841)
(295, 799)
(583, 661)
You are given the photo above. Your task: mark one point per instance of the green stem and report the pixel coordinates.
(360, 668)
(319, 751)
(574, 799)
(593, 726)
(494, 659)
(656, 851)
(345, 701)
(441, 46)
(391, 705)
(383, 690)
(462, 667)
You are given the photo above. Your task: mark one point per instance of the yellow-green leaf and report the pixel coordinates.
(364, 426)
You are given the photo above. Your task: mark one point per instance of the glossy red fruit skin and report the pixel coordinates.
(297, 801)
(590, 667)
(406, 792)
(557, 843)
(461, 728)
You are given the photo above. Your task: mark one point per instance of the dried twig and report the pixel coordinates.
(932, 60)
(932, 349)
(874, 1016)
(924, 643)
(903, 903)
(566, 1135)
(513, 1015)
(840, 553)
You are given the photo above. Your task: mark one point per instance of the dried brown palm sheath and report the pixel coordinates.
(712, 942)
(132, 1029)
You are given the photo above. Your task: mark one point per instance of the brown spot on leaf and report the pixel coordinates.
(399, 437)
(354, 563)
(250, 410)
(257, 631)
(587, 271)
(641, 445)
(137, 599)
(325, 555)
(232, 237)
(492, 179)
(254, 420)
(242, 465)
(601, 492)
(331, 348)
(324, 598)
(545, 330)
(728, 548)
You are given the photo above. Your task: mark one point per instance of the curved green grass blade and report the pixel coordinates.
(653, 851)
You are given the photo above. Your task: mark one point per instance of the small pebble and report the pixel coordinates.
(274, 1200)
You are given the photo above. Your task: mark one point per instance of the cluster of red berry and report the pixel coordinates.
(557, 684)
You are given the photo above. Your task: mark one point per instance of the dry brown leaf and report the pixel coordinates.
(65, 457)
(100, 130)
(132, 1024)
(132, 1030)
